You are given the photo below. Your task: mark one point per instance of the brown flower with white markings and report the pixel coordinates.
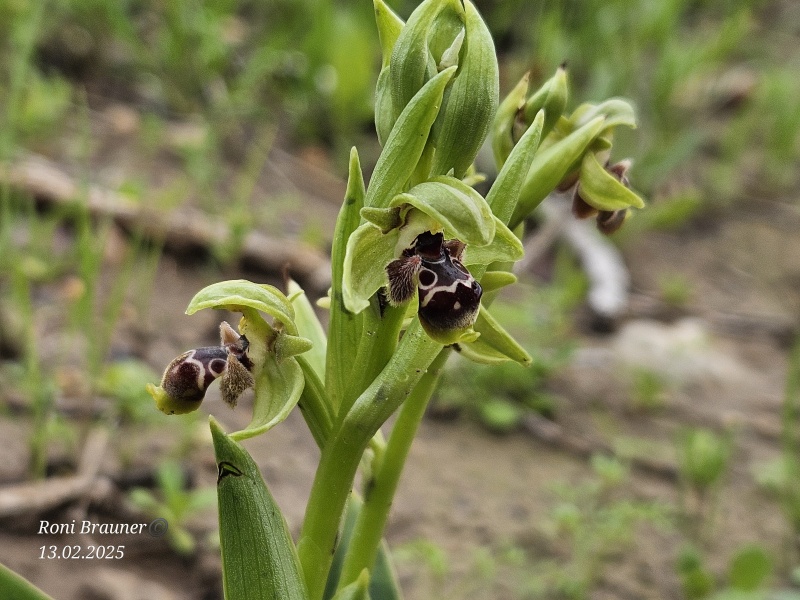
(187, 377)
(449, 296)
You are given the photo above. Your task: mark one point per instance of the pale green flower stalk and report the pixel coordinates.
(417, 254)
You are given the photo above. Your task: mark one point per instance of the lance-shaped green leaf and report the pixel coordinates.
(601, 190)
(504, 119)
(239, 294)
(551, 164)
(345, 327)
(406, 142)
(495, 344)
(259, 560)
(279, 384)
(460, 210)
(389, 28)
(429, 31)
(309, 327)
(505, 192)
(551, 98)
(470, 102)
(16, 587)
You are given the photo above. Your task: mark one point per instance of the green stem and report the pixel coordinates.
(380, 490)
(341, 455)
(381, 329)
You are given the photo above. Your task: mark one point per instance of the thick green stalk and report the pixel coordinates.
(378, 343)
(380, 489)
(340, 457)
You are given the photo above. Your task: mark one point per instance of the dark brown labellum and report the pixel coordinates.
(188, 376)
(449, 297)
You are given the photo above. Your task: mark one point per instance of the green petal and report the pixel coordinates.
(259, 560)
(601, 190)
(505, 247)
(234, 295)
(462, 211)
(495, 344)
(368, 253)
(495, 280)
(278, 388)
(384, 219)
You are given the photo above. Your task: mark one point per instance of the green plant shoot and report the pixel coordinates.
(414, 252)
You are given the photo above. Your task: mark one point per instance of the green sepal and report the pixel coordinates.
(279, 385)
(551, 164)
(495, 344)
(384, 219)
(504, 119)
(505, 247)
(309, 327)
(470, 102)
(237, 295)
(495, 280)
(406, 142)
(368, 253)
(601, 190)
(259, 560)
(462, 211)
(389, 28)
(505, 192)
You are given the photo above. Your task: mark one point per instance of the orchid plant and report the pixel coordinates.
(417, 258)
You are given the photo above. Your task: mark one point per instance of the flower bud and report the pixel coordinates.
(551, 97)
